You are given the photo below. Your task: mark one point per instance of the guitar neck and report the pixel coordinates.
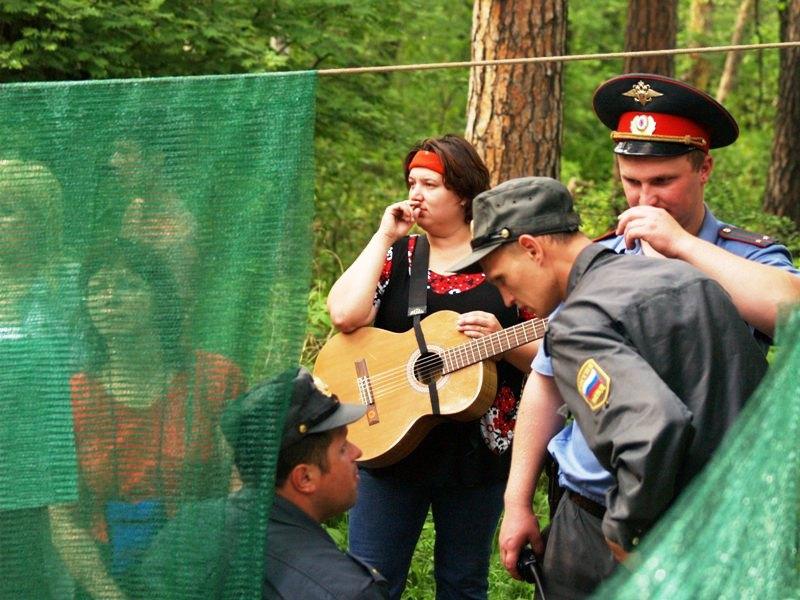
(475, 351)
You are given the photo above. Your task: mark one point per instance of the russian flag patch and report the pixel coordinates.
(593, 384)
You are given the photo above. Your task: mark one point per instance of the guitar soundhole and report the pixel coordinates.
(428, 368)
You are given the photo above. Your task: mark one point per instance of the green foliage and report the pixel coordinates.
(366, 124)
(593, 28)
(81, 39)
(318, 328)
(598, 201)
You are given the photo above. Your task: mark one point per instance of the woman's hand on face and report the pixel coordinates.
(477, 324)
(398, 218)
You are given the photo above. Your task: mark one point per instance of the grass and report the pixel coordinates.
(420, 584)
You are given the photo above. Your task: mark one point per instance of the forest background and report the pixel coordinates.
(366, 123)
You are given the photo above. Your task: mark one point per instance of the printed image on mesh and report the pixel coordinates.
(155, 249)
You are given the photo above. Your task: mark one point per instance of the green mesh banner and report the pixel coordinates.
(734, 532)
(155, 247)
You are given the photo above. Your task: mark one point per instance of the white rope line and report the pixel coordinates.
(563, 58)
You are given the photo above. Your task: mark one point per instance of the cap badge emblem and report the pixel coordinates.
(642, 93)
(643, 125)
(322, 386)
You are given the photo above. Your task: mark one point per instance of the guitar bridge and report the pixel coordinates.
(365, 391)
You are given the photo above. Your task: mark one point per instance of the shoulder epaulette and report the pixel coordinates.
(607, 235)
(728, 232)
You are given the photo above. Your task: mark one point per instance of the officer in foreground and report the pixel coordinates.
(205, 550)
(650, 355)
(316, 479)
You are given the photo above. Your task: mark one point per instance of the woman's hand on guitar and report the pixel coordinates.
(477, 324)
(397, 220)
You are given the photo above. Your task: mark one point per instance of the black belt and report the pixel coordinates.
(590, 506)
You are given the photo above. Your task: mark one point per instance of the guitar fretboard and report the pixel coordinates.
(493, 344)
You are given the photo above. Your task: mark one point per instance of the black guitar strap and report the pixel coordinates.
(418, 305)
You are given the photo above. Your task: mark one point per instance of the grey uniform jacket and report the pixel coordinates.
(302, 561)
(655, 363)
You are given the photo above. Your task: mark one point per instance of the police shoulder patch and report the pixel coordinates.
(594, 384)
(728, 232)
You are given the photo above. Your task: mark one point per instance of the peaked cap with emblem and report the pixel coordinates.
(653, 115)
(532, 205)
(312, 408)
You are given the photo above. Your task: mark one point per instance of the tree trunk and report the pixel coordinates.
(514, 111)
(782, 195)
(700, 29)
(733, 59)
(652, 25)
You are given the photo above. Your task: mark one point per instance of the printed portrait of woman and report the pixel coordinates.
(146, 413)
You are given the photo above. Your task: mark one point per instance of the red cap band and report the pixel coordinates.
(661, 127)
(427, 160)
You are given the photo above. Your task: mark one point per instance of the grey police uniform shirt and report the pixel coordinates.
(579, 470)
(302, 561)
(654, 361)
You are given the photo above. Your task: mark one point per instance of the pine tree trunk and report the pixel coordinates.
(700, 27)
(514, 111)
(652, 25)
(733, 59)
(782, 195)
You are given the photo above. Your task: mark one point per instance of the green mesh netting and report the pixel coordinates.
(734, 533)
(155, 243)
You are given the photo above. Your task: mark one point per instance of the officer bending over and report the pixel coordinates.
(650, 355)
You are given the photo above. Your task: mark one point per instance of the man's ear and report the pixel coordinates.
(303, 478)
(532, 247)
(706, 168)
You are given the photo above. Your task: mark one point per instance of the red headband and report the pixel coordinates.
(427, 160)
(661, 127)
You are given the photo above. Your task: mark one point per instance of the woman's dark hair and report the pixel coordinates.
(464, 171)
(167, 311)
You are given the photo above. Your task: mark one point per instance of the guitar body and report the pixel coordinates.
(402, 415)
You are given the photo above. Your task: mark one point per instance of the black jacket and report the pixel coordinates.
(302, 561)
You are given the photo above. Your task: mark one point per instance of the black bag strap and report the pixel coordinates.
(418, 305)
(418, 285)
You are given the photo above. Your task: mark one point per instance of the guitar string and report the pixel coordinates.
(395, 379)
(426, 366)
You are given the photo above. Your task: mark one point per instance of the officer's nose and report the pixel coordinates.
(648, 196)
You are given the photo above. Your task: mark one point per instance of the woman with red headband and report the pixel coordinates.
(459, 470)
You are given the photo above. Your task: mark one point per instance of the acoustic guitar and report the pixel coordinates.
(387, 372)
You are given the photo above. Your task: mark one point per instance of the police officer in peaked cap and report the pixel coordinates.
(663, 131)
